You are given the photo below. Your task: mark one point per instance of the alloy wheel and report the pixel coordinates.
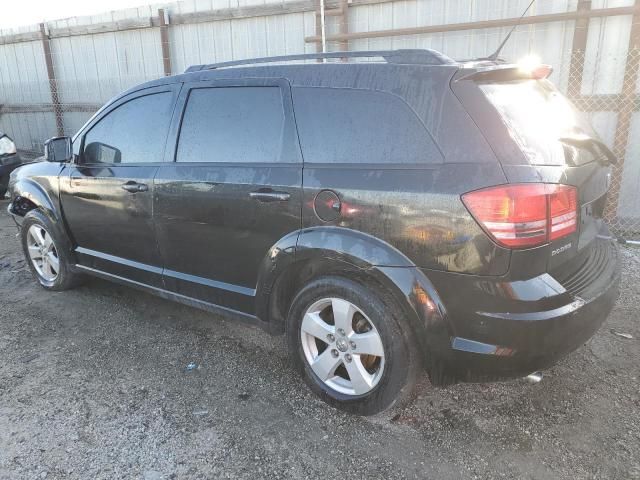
(342, 346)
(43, 253)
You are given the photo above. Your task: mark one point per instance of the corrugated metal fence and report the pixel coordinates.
(54, 76)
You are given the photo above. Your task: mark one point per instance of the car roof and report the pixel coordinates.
(343, 72)
(402, 56)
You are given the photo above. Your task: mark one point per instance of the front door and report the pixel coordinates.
(107, 198)
(232, 192)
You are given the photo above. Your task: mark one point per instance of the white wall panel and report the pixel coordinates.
(606, 55)
(23, 73)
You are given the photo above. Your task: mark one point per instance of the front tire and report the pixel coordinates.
(48, 252)
(352, 345)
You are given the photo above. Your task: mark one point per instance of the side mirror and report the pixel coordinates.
(58, 149)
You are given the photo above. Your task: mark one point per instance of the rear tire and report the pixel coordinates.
(47, 250)
(352, 345)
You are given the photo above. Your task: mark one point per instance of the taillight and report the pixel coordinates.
(563, 208)
(525, 215)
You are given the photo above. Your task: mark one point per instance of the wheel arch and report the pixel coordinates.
(29, 195)
(310, 253)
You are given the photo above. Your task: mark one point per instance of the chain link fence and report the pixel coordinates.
(606, 91)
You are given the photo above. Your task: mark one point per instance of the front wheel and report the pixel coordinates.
(352, 346)
(47, 252)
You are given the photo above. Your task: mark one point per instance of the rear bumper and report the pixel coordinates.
(504, 329)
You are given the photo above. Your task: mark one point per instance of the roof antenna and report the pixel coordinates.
(494, 56)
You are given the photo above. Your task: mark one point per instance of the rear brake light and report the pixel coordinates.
(525, 215)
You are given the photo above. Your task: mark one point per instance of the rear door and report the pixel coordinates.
(232, 191)
(107, 197)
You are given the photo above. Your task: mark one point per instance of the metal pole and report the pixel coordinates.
(578, 49)
(164, 41)
(322, 28)
(53, 84)
(344, 23)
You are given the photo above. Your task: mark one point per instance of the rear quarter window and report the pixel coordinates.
(339, 125)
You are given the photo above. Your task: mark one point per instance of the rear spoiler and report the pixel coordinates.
(505, 73)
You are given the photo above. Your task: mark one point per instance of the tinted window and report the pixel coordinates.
(134, 132)
(360, 126)
(537, 115)
(232, 124)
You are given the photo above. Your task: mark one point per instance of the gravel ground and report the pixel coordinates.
(94, 384)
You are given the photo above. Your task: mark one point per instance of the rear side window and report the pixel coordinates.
(134, 132)
(339, 125)
(232, 124)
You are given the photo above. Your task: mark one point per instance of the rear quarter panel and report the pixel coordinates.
(416, 210)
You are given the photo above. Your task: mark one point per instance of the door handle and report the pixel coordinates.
(269, 195)
(134, 187)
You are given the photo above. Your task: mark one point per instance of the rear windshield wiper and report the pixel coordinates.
(593, 145)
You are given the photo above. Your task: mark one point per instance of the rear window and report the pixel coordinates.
(537, 115)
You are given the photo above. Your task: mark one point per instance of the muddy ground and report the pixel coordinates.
(93, 384)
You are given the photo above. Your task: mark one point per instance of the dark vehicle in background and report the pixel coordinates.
(9, 161)
(394, 217)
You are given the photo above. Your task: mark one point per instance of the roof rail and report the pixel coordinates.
(406, 56)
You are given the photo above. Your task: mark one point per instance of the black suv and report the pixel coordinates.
(389, 217)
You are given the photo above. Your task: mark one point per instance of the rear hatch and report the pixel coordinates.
(539, 136)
